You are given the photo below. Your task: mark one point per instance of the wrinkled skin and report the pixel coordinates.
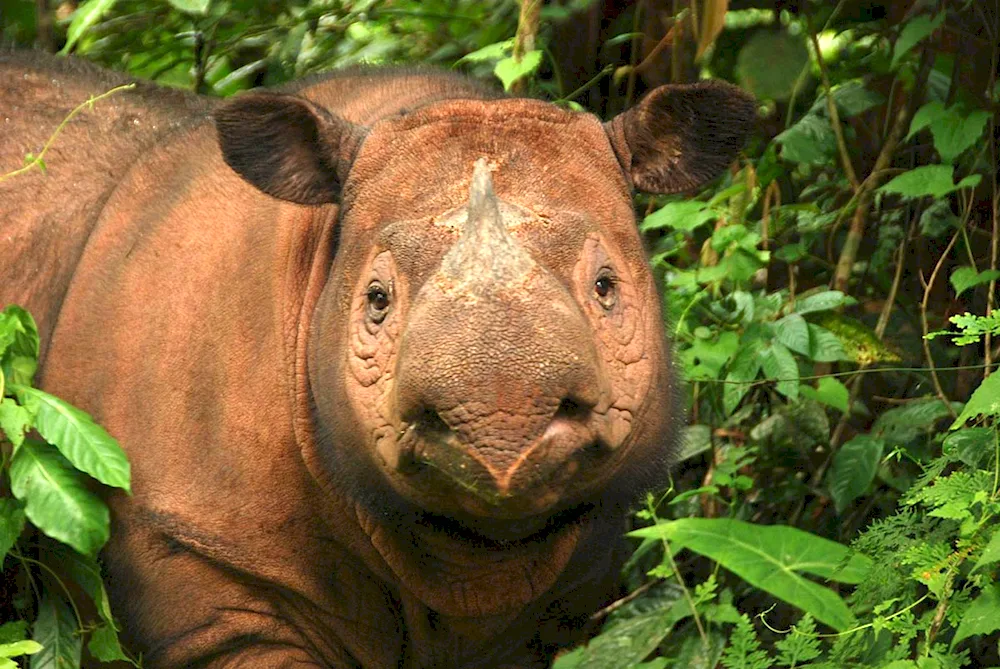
(385, 353)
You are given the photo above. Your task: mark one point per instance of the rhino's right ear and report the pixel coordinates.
(287, 146)
(680, 136)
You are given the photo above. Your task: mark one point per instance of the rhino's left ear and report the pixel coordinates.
(287, 146)
(678, 137)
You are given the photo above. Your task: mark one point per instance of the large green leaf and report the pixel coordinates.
(964, 278)
(914, 31)
(984, 402)
(953, 130)
(84, 443)
(510, 70)
(11, 524)
(982, 616)
(773, 558)
(934, 180)
(86, 15)
(821, 301)
(19, 648)
(777, 363)
(810, 140)
(56, 497)
(56, 630)
(14, 420)
(830, 392)
(685, 215)
(853, 469)
(991, 553)
(793, 332)
(18, 347)
(742, 370)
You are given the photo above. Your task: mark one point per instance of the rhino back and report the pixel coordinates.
(46, 218)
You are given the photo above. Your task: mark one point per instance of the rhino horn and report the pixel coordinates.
(485, 252)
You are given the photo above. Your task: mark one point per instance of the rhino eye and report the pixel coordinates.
(604, 289)
(378, 301)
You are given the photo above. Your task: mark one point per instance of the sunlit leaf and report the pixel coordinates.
(772, 558)
(685, 215)
(19, 648)
(510, 70)
(87, 13)
(964, 278)
(933, 180)
(14, 420)
(830, 392)
(985, 402)
(56, 497)
(191, 6)
(84, 443)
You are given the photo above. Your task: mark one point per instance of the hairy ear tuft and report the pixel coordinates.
(678, 137)
(287, 146)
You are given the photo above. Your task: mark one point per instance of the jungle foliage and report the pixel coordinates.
(833, 300)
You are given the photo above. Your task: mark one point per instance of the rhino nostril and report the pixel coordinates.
(429, 422)
(572, 409)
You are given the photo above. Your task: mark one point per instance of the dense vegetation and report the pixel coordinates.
(833, 299)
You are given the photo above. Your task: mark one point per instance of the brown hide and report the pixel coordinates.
(205, 324)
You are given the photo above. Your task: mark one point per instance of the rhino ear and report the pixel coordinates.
(287, 146)
(678, 137)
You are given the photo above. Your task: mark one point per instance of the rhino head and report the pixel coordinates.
(489, 346)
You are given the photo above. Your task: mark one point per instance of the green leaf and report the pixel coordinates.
(824, 346)
(915, 31)
(991, 553)
(14, 420)
(18, 345)
(964, 278)
(56, 629)
(705, 358)
(56, 497)
(810, 141)
(971, 444)
(697, 439)
(509, 70)
(953, 130)
(853, 469)
(771, 558)
(685, 216)
(742, 370)
(86, 15)
(15, 630)
(822, 301)
(933, 180)
(11, 524)
(104, 644)
(84, 443)
(490, 52)
(800, 645)
(19, 648)
(830, 392)
(793, 332)
(778, 363)
(985, 402)
(982, 616)
(633, 635)
(86, 572)
(743, 650)
(191, 6)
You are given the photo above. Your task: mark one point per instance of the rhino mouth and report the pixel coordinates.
(542, 478)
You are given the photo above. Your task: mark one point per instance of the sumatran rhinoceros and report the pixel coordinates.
(384, 350)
